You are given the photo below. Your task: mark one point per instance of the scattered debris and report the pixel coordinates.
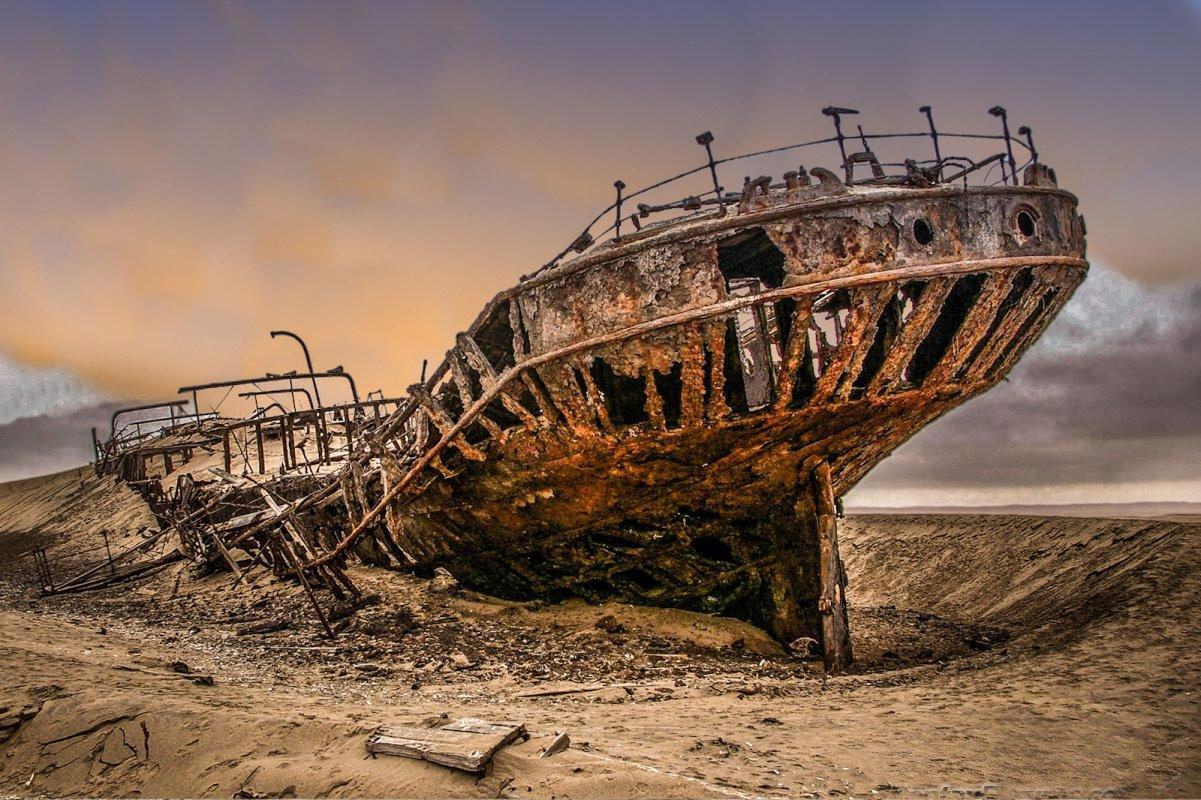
(805, 647)
(609, 624)
(443, 581)
(268, 626)
(560, 743)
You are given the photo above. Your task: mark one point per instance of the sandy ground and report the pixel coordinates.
(996, 656)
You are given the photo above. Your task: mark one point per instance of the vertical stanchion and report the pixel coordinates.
(108, 552)
(1029, 134)
(706, 140)
(258, 440)
(618, 185)
(934, 138)
(836, 114)
(999, 111)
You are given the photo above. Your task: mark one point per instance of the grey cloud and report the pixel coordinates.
(50, 443)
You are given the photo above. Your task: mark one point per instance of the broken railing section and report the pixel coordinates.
(940, 169)
(308, 439)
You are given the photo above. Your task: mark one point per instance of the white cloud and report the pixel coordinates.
(31, 392)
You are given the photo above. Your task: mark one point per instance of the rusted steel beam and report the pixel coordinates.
(913, 331)
(692, 379)
(271, 378)
(443, 421)
(974, 327)
(462, 381)
(794, 351)
(875, 302)
(654, 401)
(549, 414)
(258, 442)
(836, 635)
(715, 343)
(860, 327)
(593, 398)
(519, 332)
(1026, 305)
(564, 391)
(293, 391)
(488, 378)
(1058, 297)
(307, 360)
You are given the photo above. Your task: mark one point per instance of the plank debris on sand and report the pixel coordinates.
(467, 744)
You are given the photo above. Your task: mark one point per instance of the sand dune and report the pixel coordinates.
(1010, 655)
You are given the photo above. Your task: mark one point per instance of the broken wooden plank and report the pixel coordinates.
(467, 744)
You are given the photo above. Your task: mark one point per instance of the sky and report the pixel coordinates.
(182, 178)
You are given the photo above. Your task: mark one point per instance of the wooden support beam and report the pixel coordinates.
(716, 406)
(836, 635)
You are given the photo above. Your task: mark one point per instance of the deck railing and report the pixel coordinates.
(940, 169)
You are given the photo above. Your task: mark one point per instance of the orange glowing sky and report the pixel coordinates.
(180, 178)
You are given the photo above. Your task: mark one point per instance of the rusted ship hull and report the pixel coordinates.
(644, 423)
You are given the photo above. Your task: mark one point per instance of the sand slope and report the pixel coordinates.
(1009, 655)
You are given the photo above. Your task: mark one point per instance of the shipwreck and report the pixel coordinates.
(667, 412)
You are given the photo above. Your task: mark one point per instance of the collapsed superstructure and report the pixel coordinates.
(669, 417)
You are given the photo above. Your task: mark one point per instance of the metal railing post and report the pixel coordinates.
(706, 140)
(999, 111)
(836, 113)
(933, 137)
(1025, 131)
(618, 185)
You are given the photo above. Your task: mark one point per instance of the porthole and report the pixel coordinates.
(922, 232)
(1025, 221)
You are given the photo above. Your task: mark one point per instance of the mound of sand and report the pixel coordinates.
(1005, 655)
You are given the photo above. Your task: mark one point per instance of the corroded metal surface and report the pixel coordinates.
(658, 475)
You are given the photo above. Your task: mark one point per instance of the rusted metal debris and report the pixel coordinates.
(670, 417)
